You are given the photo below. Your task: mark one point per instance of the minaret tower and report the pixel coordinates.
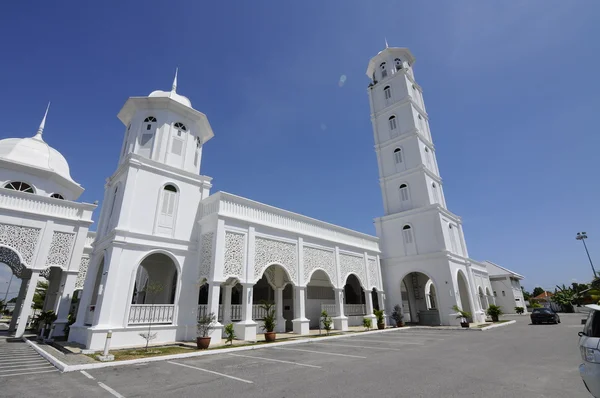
(420, 239)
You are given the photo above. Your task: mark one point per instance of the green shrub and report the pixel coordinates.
(519, 310)
(379, 315)
(461, 313)
(229, 334)
(326, 321)
(535, 304)
(494, 311)
(269, 321)
(367, 323)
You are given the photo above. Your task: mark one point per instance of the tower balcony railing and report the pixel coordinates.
(41, 205)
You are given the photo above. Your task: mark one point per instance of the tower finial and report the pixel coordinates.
(43, 123)
(386, 44)
(174, 88)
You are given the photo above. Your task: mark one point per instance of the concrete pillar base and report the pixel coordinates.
(340, 323)
(301, 326)
(216, 334)
(280, 328)
(105, 358)
(245, 330)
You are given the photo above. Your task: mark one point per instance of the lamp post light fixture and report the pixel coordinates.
(582, 236)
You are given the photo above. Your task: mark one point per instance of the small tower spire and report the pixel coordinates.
(42, 124)
(386, 44)
(174, 88)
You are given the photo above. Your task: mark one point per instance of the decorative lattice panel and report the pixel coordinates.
(353, 265)
(373, 274)
(206, 253)
(60, 249)
(83, 268)
(319, 259)
(270, 251)
(235, 249)
(23, 239)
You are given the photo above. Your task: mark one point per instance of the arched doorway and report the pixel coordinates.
(354, 301)
(419, 300)
(320, 296)
(463, 290)
(155, 288)
(489, 296)
(275, 287)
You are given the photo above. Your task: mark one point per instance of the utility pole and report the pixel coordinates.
(582, 236)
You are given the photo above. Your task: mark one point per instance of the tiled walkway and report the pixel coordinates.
(17, 359)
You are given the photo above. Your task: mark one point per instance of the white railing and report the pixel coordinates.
(246, 209)
(148, 313)
(355, 309)
(349, 309)
(89, 315)
(236, 311)
(37, 204)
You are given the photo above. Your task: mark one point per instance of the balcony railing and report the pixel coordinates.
(37, 204)
(349, 309)
(140, 314)
(236, 311)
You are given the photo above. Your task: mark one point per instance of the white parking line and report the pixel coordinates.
(387, 341)
(110, 390)
(319, 352)
(276, 360)
(86, 374)
(33, 368)
(213, 372)
(29, 373)
(24, 365)
(332, 344)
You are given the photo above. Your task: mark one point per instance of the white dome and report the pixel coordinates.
(36, 153)
(173, 95)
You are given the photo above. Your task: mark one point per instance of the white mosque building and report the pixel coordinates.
(166, 250)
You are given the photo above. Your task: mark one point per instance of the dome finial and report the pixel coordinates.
(42, 124)
(386, 44)
(174, 88)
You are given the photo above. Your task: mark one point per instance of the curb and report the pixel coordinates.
(498, 325)
(73, 368)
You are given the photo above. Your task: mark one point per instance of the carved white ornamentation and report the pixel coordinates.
(206, 253)
(270, 251)
(373, 278)
(319, 259)
(353, 265)
(235, 249)
(60, 249)
(11, 258)
(23, 239)
(83, 267)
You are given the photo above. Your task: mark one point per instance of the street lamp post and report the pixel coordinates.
(582, 236)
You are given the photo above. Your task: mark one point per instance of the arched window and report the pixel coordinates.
(57, 196)
(178, 141)
(398, 155)
(167, 207)
(197, 154)
(392, 121)
(387, 93)
(19, 186)
(407, 234)
(404, 192)
(147, 135)
(383, 70)
(398, 63)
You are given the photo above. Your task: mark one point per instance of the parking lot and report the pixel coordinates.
(518, 360)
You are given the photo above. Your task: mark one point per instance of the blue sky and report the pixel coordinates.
(510, 87)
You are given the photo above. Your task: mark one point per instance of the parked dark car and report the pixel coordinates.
(540, 315)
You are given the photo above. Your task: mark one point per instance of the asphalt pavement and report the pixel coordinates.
(519, 360)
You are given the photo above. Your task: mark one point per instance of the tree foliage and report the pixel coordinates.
(526, 294)
(564, 296)
(40, 295)
(537, 291)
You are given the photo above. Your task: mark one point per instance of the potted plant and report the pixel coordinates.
(380, 319)
(397, 315)
(367, 323)
(494, 311)
(269, 321)
(206, 323)
(519, 310)
(462, 315)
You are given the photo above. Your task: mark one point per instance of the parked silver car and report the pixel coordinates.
(589, 344)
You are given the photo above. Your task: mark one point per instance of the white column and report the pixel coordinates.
(18, 304)
(214, 290)
(246, 328)
(340, 321)
(227, 304)
(27, 303)
(369, 308)
(280, 328)
(478, 313)
(52, 292)
(63, 304)
(301, 324)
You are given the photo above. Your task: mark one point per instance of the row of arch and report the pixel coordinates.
(27, 188)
